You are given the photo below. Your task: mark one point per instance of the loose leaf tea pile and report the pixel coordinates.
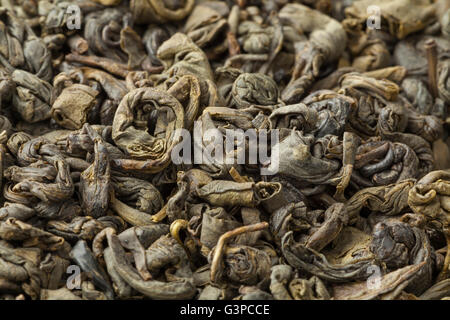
(95, 97)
